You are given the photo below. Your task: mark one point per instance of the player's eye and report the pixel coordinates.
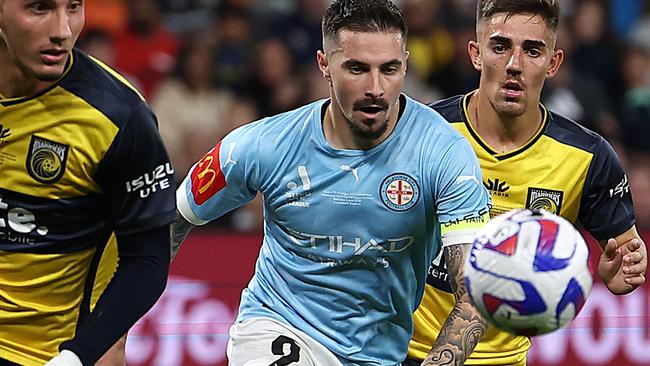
(534, 52)
(390, 70)
(39, 6)
(75, 6)
(356, 69)
(499, 48)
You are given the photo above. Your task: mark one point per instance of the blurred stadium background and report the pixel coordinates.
(208, 66)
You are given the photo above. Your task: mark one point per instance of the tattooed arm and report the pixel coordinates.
(179, 230)
(464, 325)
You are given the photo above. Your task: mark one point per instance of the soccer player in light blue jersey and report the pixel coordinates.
(361, 191)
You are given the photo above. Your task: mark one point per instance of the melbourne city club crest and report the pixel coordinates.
(399, 192)
(46, 160)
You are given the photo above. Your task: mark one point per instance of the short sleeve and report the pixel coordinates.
(606, 208)
(462, 202)
(223, 179)
(137, 176)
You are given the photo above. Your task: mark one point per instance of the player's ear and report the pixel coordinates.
(556, 62)
(323, 64)
(474, 52)
(406, 62)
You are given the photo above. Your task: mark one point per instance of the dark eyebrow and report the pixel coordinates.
(394, 62)
(353, 62)
(502, 40)
(529, 43)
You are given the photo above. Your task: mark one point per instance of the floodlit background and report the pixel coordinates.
(208, 66)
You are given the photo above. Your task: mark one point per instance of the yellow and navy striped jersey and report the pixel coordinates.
(79, 163)
(565, 169)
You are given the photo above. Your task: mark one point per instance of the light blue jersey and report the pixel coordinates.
(349, 234)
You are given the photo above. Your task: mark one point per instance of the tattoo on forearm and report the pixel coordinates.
(464, 326)
(179, 230)
(455, 259)
(445, 358)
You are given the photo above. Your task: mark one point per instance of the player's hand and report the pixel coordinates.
(65, 358)
(622, 267)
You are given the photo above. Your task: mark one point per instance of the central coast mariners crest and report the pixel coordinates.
(546, 199)
(399, 192)
(46, 160)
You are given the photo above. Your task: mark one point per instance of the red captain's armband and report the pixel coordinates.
(207, 177)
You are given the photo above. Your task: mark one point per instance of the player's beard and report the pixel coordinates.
(356, 126)
(368, 134)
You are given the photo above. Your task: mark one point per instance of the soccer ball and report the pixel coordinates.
(527, 272)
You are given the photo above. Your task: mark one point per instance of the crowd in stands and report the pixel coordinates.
(208, 66)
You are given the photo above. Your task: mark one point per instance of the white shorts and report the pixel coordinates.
(266, 342)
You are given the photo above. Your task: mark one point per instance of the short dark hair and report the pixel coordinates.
(363, 16)
(549, 10)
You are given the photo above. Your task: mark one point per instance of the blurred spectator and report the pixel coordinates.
(624, 14)
(234, 47)
(188, 16)
(274, 86)
(430, 44)
(192, 113)
(578, 95)
(300, 30)
(145, 49)
(99, 44)
(107, 15)
(635, 118)
(459, 76)
(597, 50)
(640, 31)
(639, 175)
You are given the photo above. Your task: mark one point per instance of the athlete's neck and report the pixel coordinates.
(504, 133)
(339, 135)
(14, 82)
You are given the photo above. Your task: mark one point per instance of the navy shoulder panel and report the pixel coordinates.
(450, 108)
(102, 88)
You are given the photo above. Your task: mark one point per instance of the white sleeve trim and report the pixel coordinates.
(459, 237)
(183, 205)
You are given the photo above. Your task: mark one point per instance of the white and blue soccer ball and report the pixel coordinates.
(527, 272)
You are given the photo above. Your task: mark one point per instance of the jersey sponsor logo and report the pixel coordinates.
(345, 250)
(354, 171)
(464, 178)
(156, 180)
(544, 199)
(399, 192)
(207, 177)
(229, 159)
(437, 275)
(17, 225)
(46, 160)
(497, 187)
(621, 188)
(298, 199)
(5, 132)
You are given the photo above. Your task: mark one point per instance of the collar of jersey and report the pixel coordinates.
(497, 155)
(13, 101)
(406, 107)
